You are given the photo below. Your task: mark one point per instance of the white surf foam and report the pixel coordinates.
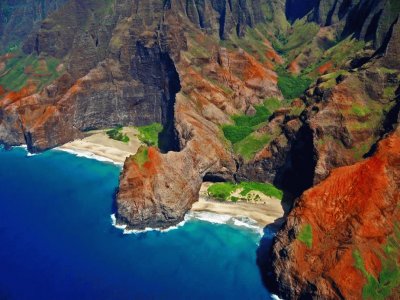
(22, 146)
(275, 297)
(226, 219)
(210, 217)
(31, 154)
(147, 229)
(202, 216)
(25, 147)
(89, 155)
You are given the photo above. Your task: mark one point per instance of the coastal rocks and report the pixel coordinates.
(344, 225)
(149, 190)
(156, 190)
(159, 190)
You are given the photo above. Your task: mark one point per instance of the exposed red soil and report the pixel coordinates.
(355, 208)
(325, 68)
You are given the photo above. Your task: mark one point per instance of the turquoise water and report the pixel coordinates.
(57, 241)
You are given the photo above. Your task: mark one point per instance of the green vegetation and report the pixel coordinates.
(20, 68)
(389, 278)
(337, 54)
(251, 144)
(361, 150)
(360, 111)
(329, 80)
(117, 134)
(252, 43)
(292, 86)
(299, 35)
(344, 49)
(141, 156)
(305, 235)
(236, 133)
(265, 188)
(389, 92)
(223, 191)
(149, 134)
(302, 33)
(243, 136)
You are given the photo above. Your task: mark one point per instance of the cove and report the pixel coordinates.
(57, 241)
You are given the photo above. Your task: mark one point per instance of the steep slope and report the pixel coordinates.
(18, 18)
(222, 77)
(157, 190)
(342, 238)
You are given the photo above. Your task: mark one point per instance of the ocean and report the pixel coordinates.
(58, 242)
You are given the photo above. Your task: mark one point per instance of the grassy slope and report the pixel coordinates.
(21, 69)
(223, 191)
(389, 278)
(243, 136)
(305, 235)
(149, 134)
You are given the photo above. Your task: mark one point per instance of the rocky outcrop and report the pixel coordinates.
(348, 224)
(158, 190)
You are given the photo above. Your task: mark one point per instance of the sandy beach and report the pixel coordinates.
(263, 212)
(97, 143)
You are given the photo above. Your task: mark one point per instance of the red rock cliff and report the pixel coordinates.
(342, 238)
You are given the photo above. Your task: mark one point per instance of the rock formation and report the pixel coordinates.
(342, 238)
(307, 89)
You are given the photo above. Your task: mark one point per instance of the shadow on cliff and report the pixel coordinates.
(264, 253)
(168, 138)
(114, 208)
(293, 178)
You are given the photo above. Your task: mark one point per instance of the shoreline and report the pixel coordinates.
(100, 147)
(243, 214)
(259, 214)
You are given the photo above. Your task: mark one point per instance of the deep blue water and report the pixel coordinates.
(57, 241)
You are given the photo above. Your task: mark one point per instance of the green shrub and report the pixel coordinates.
(262, 115)
(149, 134)
(302, 33)
(292, 86)
(250, 145)
(265, 188)
(141, 156)
(360, 111)
(272, 104)
(236, 133)
(240, 134)
(305, 235)
(389, 278)
(117, 134)
(15, 77)
(221, 191)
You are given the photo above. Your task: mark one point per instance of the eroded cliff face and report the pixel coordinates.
(18, 18)
(192, 66)
(158, 189)
(97, 64)
(342, 238)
